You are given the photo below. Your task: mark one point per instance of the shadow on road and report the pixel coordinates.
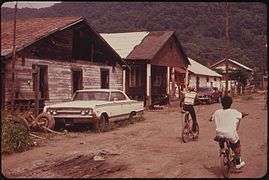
(215, 170)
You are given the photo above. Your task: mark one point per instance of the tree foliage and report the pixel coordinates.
(200, 26)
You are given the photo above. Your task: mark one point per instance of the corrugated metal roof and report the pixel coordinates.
(137, 45)
(241, 65)
(31, 30)
(124, 43)
(235, 62)
(198, 68)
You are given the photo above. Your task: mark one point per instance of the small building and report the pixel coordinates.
(152, 56)
(201, 76)
(54, 58)
(232, 66)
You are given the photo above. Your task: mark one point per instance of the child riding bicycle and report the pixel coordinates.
(227, 121)
(187, 102)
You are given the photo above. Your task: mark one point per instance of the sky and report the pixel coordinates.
(30, 4)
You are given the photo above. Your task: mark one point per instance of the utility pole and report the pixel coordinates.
(13, 61)
(227, 47)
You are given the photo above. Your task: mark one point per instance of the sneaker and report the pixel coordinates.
(239, 166)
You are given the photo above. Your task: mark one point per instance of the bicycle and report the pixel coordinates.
(227, 156)
(187, 133)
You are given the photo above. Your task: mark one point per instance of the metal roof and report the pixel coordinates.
(200, 69)
(124, 43)
(233, 61)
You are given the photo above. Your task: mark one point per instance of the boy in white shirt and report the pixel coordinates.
(188, 102)
(227, 121)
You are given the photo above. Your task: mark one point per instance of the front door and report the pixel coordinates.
(76, 80)
(43, 81)
(104, 78)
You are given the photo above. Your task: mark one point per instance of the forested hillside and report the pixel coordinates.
(200, 26)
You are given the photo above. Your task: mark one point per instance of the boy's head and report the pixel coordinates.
(226, 102)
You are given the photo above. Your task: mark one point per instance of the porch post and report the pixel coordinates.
(186, 78)
(148, 83)
(173, 83)
(168, 91)
(124, 80)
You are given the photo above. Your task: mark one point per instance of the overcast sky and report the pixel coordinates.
(30, 4)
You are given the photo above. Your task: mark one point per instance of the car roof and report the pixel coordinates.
(99, 90)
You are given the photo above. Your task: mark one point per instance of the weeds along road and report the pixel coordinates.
(150, 148)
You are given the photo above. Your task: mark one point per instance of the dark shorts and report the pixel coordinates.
(234, 146)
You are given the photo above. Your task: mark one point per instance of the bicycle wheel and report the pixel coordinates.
(186, 129)
(225, 165)
(196, 133)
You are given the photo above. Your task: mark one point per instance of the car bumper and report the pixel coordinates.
(203, 99)
(75, 118)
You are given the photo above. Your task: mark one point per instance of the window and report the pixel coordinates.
(207, 79)
(135, 77)
(117, 96)
(197, 82)
(215, 79)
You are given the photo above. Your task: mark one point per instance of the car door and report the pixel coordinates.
(120, 103)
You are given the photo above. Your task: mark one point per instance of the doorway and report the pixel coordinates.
(43, 81)
(104, 78)
(76, 79)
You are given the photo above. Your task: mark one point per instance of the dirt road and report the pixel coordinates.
(151, 148)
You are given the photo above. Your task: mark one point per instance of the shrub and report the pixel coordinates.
(15, 135)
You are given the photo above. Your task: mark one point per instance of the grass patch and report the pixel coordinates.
(15, 135)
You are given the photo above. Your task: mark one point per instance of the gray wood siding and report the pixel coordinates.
(59, 78)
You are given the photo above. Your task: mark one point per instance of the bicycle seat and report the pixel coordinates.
(220, 139)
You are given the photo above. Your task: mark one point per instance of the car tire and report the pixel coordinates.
(131, 117)
(103, 123)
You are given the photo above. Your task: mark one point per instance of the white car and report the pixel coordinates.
(97, 106)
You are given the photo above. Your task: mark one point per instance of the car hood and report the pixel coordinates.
(78, 104)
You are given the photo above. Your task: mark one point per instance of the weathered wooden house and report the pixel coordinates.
(152, 57)
(56, 56)
(232, 65)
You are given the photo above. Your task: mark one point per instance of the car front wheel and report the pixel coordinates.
(103, 123)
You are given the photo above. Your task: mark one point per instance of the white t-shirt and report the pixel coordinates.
(226, 122)
(189, 98)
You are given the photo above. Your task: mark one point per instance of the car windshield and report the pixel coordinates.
(91, 95)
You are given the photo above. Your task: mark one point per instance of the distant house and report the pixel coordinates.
(201, 76)
(55, 57)
(152, 57)
(232, 65)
